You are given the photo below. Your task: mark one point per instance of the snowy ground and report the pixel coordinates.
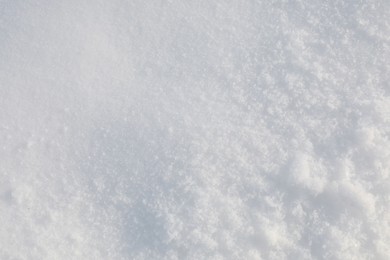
(241, 129)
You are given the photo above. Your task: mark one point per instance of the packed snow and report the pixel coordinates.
(179, 129)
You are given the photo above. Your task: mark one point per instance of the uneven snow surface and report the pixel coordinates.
(241, 129)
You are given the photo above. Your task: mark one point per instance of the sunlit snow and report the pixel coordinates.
(204, 129)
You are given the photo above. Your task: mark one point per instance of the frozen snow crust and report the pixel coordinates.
(194, 129)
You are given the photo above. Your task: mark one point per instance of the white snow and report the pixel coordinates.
(178, 129)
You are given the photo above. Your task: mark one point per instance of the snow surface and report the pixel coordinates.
(241, 129)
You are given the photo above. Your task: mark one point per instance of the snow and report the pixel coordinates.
(172, 129)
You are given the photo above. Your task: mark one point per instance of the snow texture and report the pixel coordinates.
(224, 129)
